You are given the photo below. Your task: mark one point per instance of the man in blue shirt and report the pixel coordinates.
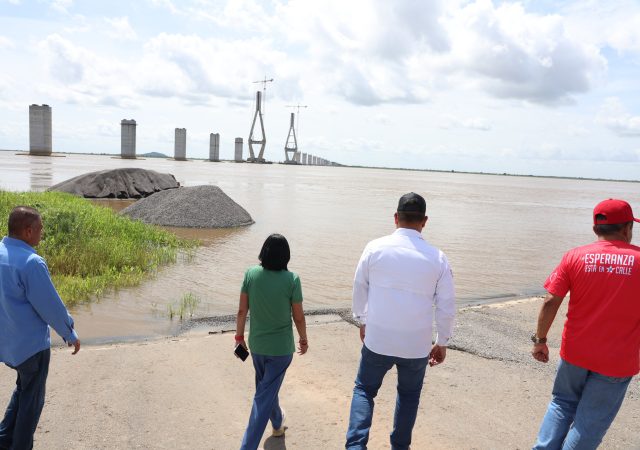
(29, 303)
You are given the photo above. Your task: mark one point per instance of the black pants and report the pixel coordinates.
(23, 413)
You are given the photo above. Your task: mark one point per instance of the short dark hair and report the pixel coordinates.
(21, 218)
(410, 217)
(412, 202)
(609, 228)
(275, 253)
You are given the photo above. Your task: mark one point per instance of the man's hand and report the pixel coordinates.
(76, 346)
(547, 314)
(437, 355)
(540, 352)
(362, 332)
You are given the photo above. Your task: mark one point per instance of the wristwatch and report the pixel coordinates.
(538, 340)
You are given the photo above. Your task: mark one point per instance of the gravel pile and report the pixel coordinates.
(118, 183)
(190, 207)
(500, 332)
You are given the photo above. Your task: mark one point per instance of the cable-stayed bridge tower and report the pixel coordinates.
(291, 145)
(257, 117)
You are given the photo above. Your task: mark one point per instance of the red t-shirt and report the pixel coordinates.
(602, 330)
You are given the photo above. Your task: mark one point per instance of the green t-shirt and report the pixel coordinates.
(271, 293)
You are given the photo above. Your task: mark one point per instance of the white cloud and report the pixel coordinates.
(107, 129)
(626, 35)
(368, 52)
(120, 28)
(614, 23)
(234, 14)
(77, 29)
(194, 69)
(67, 62)
(61, 5)
(373, 52)
(383, 119)
(80, 76)
(614, 116)
(161, 78)
(4, 86)
(577, 130)
(515, 54)
(449, 121)
(10, 130)
(167, 4)
(5, 42)
(359, 49)
(198, 68)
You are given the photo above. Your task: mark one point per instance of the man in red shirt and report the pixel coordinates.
(600, 350)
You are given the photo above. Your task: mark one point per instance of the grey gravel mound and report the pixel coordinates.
(190, 207)
(118, 183)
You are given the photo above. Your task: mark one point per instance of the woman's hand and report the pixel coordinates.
(241, 319)
(303, 346)
(240, 340)
(301, 325)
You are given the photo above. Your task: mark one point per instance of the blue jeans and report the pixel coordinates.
(23, 413)
(270, 371)
(373, 368)
(582, 407)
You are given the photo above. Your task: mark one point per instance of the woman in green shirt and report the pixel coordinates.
(274, 296)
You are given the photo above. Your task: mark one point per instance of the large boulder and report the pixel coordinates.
(118, 183)
(190, 207)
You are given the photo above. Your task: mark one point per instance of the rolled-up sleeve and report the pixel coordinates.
(445, 304)
(44, 298)
(360, 297)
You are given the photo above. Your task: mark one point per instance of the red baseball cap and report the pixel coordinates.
(614, 212)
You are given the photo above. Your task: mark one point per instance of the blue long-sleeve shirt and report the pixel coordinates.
(29, 303)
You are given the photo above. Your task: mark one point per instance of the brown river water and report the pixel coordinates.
(502, 234)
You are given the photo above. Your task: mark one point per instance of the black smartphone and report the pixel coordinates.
(241, 352)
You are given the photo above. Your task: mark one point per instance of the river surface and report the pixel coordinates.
(502, 234)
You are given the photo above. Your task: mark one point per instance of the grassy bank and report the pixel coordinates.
(91, 249)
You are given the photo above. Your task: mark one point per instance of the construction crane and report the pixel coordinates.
(264, 89)
(297, 107)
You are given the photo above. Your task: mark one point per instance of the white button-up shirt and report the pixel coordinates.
(400, 280)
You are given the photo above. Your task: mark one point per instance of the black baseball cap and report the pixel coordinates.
(412, 203)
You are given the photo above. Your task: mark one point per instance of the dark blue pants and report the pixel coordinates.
(270, 371)
(373, 368)
(23, 413)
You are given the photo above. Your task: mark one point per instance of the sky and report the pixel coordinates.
(534, 87)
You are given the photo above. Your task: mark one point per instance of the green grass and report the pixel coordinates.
(90, 249)
(187, 306)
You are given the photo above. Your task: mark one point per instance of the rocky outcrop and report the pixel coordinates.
(118, 183)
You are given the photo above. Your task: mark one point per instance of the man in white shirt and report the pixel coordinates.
(399, 282)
